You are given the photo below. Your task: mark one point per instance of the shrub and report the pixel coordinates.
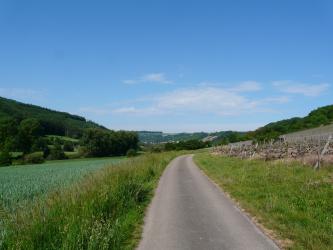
(57, 153)
(156, 150)
(131, 153)
(39, 145)
(5, 158)
(68, 146)
(34, 158)
(46, 152)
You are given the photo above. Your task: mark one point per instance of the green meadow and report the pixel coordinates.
(22, 184)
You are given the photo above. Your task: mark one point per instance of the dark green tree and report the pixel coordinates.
(68, 146)
(5, 158)
(28, 132)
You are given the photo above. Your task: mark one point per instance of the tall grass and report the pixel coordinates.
(103, 211)
(293, 200)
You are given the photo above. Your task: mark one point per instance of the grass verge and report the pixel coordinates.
(103, 211)
(294, 201)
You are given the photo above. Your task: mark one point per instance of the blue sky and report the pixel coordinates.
(169, 65)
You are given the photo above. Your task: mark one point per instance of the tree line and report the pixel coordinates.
(186, 145)
(28, 136)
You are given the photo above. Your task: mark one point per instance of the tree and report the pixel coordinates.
(169, 146)
(68, 146)
(99, 142)
(131, 153)
(5, 158)
(46, 152)
(8, 134)
(96, 142)
(57, 153)
(39, 144)
(28, 132)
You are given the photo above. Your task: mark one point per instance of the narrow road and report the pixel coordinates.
(189, 212)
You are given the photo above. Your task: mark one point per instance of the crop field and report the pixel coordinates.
(20, 185)
(105, 210)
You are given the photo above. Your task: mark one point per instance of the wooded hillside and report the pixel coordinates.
(316, 118)
(52, 122)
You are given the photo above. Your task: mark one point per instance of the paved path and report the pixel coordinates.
(188, 212)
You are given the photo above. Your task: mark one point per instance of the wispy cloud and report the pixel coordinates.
(21, 93)
(247, 86)
(149, 78)
(204, 100)
(305, 89)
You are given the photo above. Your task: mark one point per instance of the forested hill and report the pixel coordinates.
(316, 118)
(53, 122)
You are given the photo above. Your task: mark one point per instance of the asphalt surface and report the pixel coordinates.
(189, 212)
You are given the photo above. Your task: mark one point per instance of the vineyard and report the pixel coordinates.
(312, 147)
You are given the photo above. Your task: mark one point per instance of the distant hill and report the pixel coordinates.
(316, 118)
(215, 137)
(160, 137)
(53, 122)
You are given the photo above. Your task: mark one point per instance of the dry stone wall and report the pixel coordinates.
(309, 151)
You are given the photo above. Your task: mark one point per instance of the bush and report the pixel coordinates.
(46, 152)
(156, 150)
(68, 146)
(131, 153)
(34, 158)
(39, 145)
(57, 153)
(5, 158)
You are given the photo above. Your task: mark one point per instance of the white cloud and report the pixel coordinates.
(247, 86)
(293, 87)
(203, 100)
(149, 78)
(136, 111)
(130, 81)
(21, 93)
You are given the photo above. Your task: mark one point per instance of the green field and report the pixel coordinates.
(62, 138)
(103, 211)
(22, 184)
(294, 201)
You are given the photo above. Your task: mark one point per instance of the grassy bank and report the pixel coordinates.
(293, 200)
(103, 211)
